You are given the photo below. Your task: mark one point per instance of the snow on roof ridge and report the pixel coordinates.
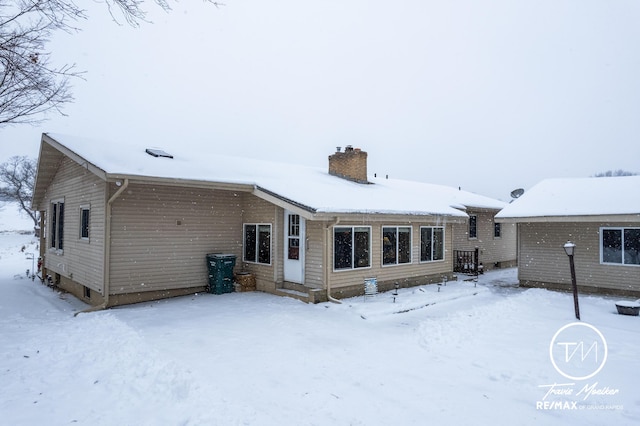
(313, 186)
(586, 196)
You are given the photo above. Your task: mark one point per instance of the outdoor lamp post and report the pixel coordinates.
(569, 248)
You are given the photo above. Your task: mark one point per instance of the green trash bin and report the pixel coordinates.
(220, 268)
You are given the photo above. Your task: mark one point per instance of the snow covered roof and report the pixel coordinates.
(578, 197)
(312, 188)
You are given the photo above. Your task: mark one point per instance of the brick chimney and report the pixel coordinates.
(350, 164)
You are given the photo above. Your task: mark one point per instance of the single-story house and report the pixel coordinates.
(125, 222)
(601, 216)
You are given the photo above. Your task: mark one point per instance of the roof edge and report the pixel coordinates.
(284, 202)
(191, 183)
(631, 218)
(102, 174)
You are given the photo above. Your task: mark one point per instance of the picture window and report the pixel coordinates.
(431, 243)
(620, 246)
(351, 247)
(396, 245)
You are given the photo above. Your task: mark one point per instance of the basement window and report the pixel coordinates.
(155, 152)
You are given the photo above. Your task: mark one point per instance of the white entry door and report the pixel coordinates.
(294, 240)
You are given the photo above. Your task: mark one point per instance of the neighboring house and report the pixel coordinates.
(124, 222)
(600, 215)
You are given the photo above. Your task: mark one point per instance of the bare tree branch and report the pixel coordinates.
(17, 177)
(30, 87)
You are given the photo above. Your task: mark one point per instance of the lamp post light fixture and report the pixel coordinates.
(569, 248)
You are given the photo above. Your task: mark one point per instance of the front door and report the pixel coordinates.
(294, 241)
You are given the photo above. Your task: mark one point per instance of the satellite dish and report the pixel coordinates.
(516, 193)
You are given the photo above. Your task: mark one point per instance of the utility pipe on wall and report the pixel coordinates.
(328, 262)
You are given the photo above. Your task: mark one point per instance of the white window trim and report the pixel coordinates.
(469, 227)
(444, 246)
(244, 240)
(397, 263)
(600, 247)
(494, 231)
(54, 249)
(82, 208)
(332, 260)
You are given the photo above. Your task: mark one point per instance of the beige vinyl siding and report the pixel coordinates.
(161, 235)
(256, 210)
(492, 250)
(503, 249)
(401, 272)
(314, 265)
(81, 260)
(543, 260)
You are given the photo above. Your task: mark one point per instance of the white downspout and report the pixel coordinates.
(328, 263)
(107, 251)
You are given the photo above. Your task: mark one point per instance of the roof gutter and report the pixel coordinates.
(633, 218)
(328, 262)
(106, 286)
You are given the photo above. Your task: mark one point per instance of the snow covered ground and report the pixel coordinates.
(464, 353)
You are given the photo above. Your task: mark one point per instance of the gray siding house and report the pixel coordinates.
(600, 215)
(124, 222)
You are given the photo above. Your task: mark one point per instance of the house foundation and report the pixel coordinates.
(582, 289)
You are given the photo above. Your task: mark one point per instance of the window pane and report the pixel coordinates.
(84, 223)
(425, 244)
(250, 243)
(632, 246)
(612, 245)
(293, 251)
(294, 225)
(361, 249)
(264, 244)
(497, 230)
(54, 226)
(60, 224)
(438, 244)
(404, 245)
(473, 226)
(342, 248)
(389, 246)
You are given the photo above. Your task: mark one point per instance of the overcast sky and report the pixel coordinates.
(486, 95)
